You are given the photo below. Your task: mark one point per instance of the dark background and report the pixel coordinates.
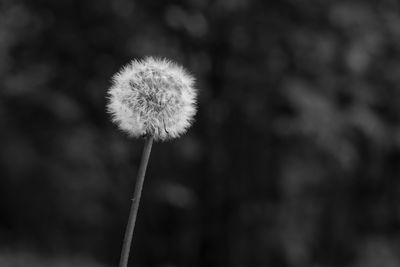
(293, 160)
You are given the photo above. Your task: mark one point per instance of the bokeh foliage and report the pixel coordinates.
(293, 161)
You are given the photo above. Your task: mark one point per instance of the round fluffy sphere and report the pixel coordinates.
(152, 97)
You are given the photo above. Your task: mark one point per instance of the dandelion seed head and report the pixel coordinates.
(152, 97)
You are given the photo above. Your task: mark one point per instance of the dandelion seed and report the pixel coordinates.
(152, 97)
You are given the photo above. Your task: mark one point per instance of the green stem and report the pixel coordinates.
(135, 203)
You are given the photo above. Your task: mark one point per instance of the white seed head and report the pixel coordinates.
(153, 97)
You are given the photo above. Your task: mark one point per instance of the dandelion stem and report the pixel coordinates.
(135, 203)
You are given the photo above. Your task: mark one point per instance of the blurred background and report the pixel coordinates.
(293, 160)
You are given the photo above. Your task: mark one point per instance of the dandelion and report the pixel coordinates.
(154, 99)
